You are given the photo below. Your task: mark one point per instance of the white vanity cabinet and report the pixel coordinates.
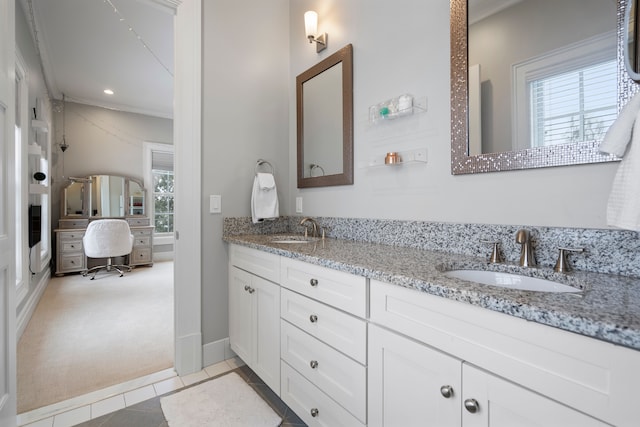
(254, 312)
(412, 384)
(513, 372)
(323, 344)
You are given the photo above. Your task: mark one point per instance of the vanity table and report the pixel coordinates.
(100, 197)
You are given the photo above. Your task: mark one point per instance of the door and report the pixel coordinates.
(500, 403)
(267, 332)
(240, 314)
(411, 384)
(7, 213)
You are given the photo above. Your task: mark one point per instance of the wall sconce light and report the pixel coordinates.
(311, 29)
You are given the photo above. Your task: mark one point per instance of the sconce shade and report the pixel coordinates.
(311, 24)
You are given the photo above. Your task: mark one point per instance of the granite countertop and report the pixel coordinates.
(608, 308)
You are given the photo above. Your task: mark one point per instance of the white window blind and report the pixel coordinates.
(162, 161)
(574, 106)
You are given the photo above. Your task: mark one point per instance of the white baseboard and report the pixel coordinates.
(188, 354)
(22, 320)
(217, 351)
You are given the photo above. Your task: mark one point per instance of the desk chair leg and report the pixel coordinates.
(118, 267)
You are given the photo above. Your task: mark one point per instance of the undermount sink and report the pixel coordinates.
(294, 239)
(510, 281)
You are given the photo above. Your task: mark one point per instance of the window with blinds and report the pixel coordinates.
(163, 187)
(573, 106)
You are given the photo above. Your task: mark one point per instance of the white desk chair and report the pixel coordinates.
(107, 238)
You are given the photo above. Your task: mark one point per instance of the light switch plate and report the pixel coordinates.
(298, 204)
(215, 203)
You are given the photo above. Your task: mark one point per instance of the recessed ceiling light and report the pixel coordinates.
(108, 91)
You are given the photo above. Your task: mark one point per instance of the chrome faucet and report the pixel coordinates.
(314, 225)
(526, 253)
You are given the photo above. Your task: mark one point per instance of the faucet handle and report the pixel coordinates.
(495, 257)
(562, 265)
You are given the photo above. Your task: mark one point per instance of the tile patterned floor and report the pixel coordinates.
(141, 407)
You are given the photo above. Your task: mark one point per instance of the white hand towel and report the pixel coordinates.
(264, 198)
(623, 207)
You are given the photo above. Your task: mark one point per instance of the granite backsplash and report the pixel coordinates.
(605, 251)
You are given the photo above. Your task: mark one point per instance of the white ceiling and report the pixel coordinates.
(87, 46)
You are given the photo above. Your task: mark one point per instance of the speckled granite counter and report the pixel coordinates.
(607, 309)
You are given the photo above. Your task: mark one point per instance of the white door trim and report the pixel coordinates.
(187, 140)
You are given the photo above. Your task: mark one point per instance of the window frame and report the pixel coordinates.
(148, 149)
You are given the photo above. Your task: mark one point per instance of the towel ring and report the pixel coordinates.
(261, 162)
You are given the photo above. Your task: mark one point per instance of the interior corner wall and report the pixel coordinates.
(403, 47)
(245, 110)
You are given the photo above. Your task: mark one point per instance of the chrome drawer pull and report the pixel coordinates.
(314, 412)
(313, 364)
(446, 391)
(313, 318)
(313, 282)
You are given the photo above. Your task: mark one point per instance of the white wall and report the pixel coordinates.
(403, 46)
(245, 107)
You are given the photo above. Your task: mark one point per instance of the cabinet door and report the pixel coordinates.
(266, 360)
(240, 314)
(408, 382)
(501, 403)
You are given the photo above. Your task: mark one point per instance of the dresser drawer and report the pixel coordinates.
(70, 235)
(334, 373)
(71, 246)
(141, 231)
(137, 222)
(306, 400)
(72, 262)
(336, 328)
(140, 256)
(256, 262)
(142, 240)
(336, 288)
(73, 223)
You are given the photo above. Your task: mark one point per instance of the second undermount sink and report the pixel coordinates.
(294, 239)
(510, 281)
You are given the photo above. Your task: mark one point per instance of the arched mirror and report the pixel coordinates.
(509, 60)
(324, 95)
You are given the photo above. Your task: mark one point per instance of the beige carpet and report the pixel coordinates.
(89, 334)
(227, 401)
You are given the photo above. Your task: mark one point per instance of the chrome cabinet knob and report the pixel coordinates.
(313, 364)
(314, 412)
(251, 290)
(313, 318)
(471, 405)
(246, 287)
(446, 391)
(313, 282)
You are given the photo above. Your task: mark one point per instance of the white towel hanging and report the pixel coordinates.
(623, 139)
(264, 196)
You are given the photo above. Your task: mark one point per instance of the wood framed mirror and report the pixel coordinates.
(324, 108)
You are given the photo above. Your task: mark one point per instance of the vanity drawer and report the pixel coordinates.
(73, 223)
(336, 288)
(306, 399)
(142, 240)
(140, 256)
(141, 231)
(72, 262)
(256, 262)
(137, 222)
(70, 235)
(334, 373)
(71, 246)
(334, 327)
